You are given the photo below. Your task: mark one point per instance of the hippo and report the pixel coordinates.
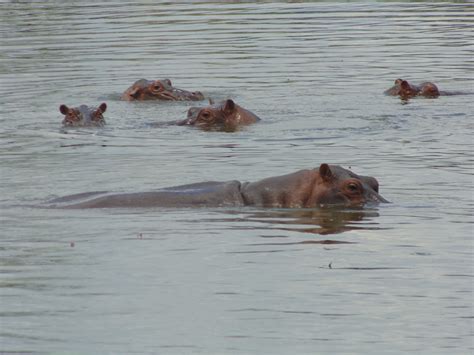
(83, 115)
(225, 115)
(159, 90)
(406, 90)
(327, 185)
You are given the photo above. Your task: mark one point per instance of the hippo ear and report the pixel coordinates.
(211, 101)
(404, 84)
(398, 81)
(134, 93)
(168, 81)
(229, 106)
(325, 172)
(103, 107)
(63, 109)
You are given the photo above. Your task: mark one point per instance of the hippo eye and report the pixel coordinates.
(71, 117)
(157, 87)
(353, 187)
(205, 115)
(74, 116)
(98, 116)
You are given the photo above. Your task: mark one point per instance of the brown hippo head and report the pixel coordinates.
(329, 185)
(403, 89)
(226, 115)
(83, 115)
(159, 90)
(336, 185)
(406, 90)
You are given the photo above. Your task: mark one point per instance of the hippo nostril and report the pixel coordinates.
(375, 197)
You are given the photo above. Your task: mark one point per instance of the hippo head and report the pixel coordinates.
(405, 90)
(213, 115)
(338, 186)
(83, 115)
(159, 90)
(225, 116)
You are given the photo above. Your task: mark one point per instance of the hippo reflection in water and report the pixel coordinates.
(328, 185)
(406, 90)
(159, 90)
(225, 115)
(322, 221)
(83, 115)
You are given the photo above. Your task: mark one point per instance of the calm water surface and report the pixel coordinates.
(394, 278)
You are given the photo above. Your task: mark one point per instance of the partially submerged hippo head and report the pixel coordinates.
(329, 185)
(336, 185)
(225, 115)
(83, 115)
(406, 90)
(159, 90)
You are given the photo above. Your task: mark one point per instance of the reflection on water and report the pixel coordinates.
(323, 221)
(388, 279)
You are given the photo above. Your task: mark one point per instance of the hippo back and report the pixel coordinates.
(205, 194)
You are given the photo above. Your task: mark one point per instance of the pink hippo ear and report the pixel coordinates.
(63, 109)
(325, 172)
(229, 106)
(102, 107)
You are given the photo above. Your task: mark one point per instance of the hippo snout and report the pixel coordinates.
(373, 196)
(197, 96)
(192, 116)
(192, 112)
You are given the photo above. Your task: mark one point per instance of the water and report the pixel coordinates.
(392, 278)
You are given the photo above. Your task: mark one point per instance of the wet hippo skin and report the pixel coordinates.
(328, 185)
(159, 90)
(225, 115)
(83, 115)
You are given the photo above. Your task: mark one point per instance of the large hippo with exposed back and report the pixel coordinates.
(326, 185)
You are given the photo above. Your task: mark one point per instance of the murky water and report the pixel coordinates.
(393, 278)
